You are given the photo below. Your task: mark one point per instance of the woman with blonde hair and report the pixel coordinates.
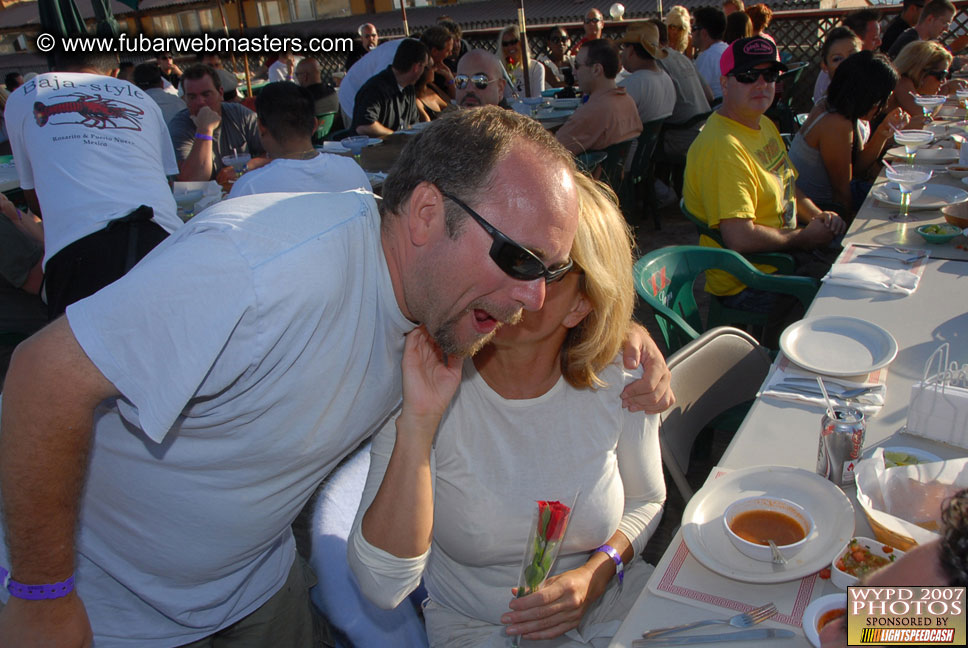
(453, 481)
(678, 23)
(509, 44)
(923, 68)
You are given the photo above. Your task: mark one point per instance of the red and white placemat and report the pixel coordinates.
(679, 576)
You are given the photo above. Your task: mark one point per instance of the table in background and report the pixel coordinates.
(873, 224)
(785, 433)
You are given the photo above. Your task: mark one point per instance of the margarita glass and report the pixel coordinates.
(929, 104)
(963, 98)
(355, 144)
(237, 161)
(912, 140)
(908, 178)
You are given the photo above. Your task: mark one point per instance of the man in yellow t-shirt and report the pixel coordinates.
(739, 179)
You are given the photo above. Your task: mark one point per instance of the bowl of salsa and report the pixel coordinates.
(859, 558)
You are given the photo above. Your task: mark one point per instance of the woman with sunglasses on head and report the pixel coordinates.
(923, 69)
(557, 61)
(509, 44)
(453, 481)
(831, 149)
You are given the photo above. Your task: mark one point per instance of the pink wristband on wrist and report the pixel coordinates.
(36, 592)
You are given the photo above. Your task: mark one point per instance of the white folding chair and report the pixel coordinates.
(717, 371)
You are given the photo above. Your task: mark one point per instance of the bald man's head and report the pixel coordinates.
(479, 67)
(308, 72)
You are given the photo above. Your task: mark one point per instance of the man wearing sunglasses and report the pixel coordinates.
(594, 22)
(269, 337)
(740, 181)
(479, 81)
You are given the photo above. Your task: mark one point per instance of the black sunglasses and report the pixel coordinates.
(558, 39)
(480, 81)
(940, 75)
(509, 43)
(769, 75)
(513, 258)
(593, 20)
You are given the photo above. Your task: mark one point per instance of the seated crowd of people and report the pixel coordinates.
(475, 320)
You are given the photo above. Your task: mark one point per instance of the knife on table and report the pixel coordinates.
(742, 635)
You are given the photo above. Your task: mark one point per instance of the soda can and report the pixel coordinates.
(841, 442)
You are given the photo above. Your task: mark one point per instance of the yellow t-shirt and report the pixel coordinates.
(733, 171)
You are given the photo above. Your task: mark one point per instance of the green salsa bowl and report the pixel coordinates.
(939, 233)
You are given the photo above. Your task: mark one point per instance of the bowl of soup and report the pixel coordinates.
(820, 612)
(753, 521)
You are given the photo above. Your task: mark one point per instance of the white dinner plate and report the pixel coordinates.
(838, 346)
(703, 532)
(416, 128)
(935, 196)
(373, 141)
(927, 155)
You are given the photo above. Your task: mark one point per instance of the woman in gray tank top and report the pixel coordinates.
(829, 151)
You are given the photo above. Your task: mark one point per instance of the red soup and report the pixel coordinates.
(759, 526)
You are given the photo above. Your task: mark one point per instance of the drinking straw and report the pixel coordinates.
(888, 165)
(826, 397)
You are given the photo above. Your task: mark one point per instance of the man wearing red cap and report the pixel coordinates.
(740, 180)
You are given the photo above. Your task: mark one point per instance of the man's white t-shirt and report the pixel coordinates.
(653, 92)
(708, 65)
(254, 348)
(325, 172)
(94, 148)
(372, 63)
(279, 71)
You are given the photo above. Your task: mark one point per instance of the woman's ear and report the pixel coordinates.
(579, 310)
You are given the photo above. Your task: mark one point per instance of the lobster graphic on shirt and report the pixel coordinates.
(95, 111)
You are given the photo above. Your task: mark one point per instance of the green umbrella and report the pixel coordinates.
(60, 17)
(106, 24)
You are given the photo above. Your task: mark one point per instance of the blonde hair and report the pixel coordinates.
(918, 57)
(679, 16)
(603, 251)
(512, 29)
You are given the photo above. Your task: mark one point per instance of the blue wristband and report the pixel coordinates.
(617, 559)
(207, 138)
(36, 592)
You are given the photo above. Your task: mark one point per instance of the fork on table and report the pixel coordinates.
(742, 620)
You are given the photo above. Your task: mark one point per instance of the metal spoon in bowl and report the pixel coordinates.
(778, 558)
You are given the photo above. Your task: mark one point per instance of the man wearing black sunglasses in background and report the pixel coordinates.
(594, 22)
(740, 181)
(479, 80)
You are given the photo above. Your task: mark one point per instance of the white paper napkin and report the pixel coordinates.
(870, 403)
(872, 277)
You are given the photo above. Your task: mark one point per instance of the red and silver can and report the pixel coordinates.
(841, 442)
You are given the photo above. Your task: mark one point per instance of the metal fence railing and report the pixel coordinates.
(798, 33)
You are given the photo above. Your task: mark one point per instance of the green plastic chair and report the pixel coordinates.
(589, 161)
(783, 263)
(638, 186)
(613, 166)
(325, 125)
(664, 278)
